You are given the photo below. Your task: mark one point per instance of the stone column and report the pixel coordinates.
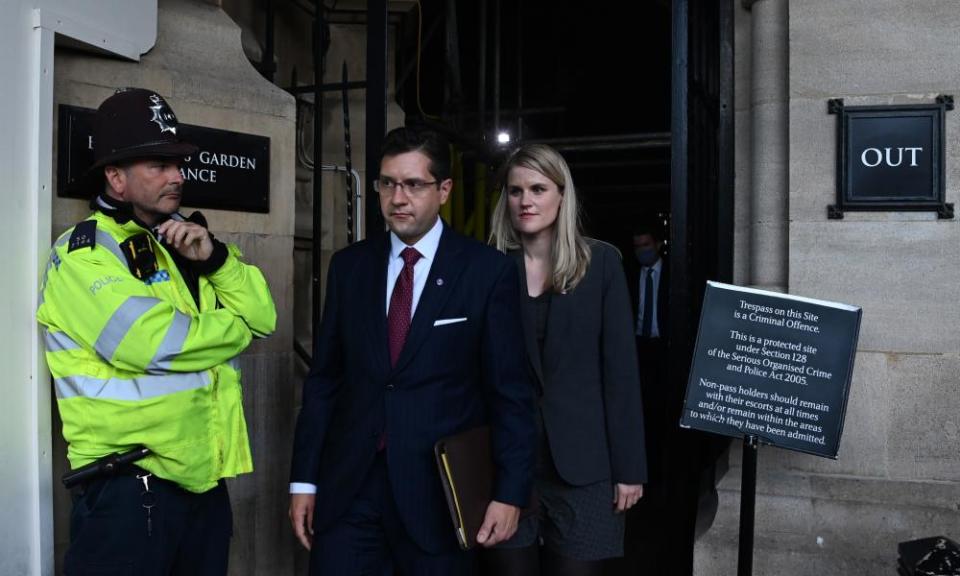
(770, 133)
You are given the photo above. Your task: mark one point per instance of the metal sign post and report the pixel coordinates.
(748, 502)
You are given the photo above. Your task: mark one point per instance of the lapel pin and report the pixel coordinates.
(439, 281)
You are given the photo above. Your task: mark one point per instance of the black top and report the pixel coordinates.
(538, 307)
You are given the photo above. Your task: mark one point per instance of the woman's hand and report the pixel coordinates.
(626, 495)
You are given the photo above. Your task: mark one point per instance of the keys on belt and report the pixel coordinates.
(148, 500)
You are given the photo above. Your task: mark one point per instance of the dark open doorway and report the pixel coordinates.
(639, 99)
(593, 82)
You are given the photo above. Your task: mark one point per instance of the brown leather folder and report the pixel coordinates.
(466, 472)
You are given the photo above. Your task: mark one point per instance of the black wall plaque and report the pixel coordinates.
(890, 157)
(230, 172)
(773, 366)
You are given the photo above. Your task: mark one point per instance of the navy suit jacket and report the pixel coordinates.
(448, 378)
(663, 295)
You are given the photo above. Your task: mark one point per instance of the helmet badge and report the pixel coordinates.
(163, 115)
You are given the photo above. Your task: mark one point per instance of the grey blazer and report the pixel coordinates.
(591, 403)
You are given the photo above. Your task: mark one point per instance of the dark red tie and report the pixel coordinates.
(401, 302)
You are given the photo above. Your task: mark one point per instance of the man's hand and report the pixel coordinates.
(191, 240)
(301, 517)
(499, 523)
(626, 495)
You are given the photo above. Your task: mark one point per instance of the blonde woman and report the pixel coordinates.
(580, 342)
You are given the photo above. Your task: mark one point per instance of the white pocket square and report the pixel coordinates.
(445, 321)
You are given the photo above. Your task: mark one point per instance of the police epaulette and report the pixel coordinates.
(84, 235)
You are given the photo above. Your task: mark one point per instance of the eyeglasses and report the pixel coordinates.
(386, 186)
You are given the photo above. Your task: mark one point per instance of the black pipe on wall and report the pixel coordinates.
(376, 111)
(318, 69)
(267, 67)
(482, 71)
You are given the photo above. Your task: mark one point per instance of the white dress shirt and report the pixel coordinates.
(427, 247)
(644, 272)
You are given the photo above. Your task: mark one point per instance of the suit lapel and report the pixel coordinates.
(444, 272)
(375, 288)
(529, 321)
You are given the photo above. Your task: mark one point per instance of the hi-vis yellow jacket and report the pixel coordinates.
(137, 362)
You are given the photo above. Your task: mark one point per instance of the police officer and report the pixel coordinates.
(145, 313)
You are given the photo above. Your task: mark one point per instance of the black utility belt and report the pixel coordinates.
(119, 464)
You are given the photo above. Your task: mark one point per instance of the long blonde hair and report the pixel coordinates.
(570, 252)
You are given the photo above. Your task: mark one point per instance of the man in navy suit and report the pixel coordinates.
(649, 282)
(420, 339)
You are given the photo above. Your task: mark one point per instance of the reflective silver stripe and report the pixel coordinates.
(107, 241)
(52, 260)
(233, 363)
(57, 341)
(120, 323)
(172, 343)
(43, 284)
(140, 388)
(103, 239)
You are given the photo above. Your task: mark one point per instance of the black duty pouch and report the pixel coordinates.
(141, 258)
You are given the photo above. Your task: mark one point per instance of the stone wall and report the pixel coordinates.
(898, 473)
(199, 67)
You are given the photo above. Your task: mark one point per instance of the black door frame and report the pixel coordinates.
(701, 231)
(686, 264)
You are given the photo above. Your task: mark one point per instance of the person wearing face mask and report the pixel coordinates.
(649, 281)
(650, 313)
(580, 348)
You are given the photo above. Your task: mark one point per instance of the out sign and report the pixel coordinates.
(892, 157)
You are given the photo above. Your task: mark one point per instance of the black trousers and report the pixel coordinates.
(646, 542)
(370, 539)
(183, 534)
